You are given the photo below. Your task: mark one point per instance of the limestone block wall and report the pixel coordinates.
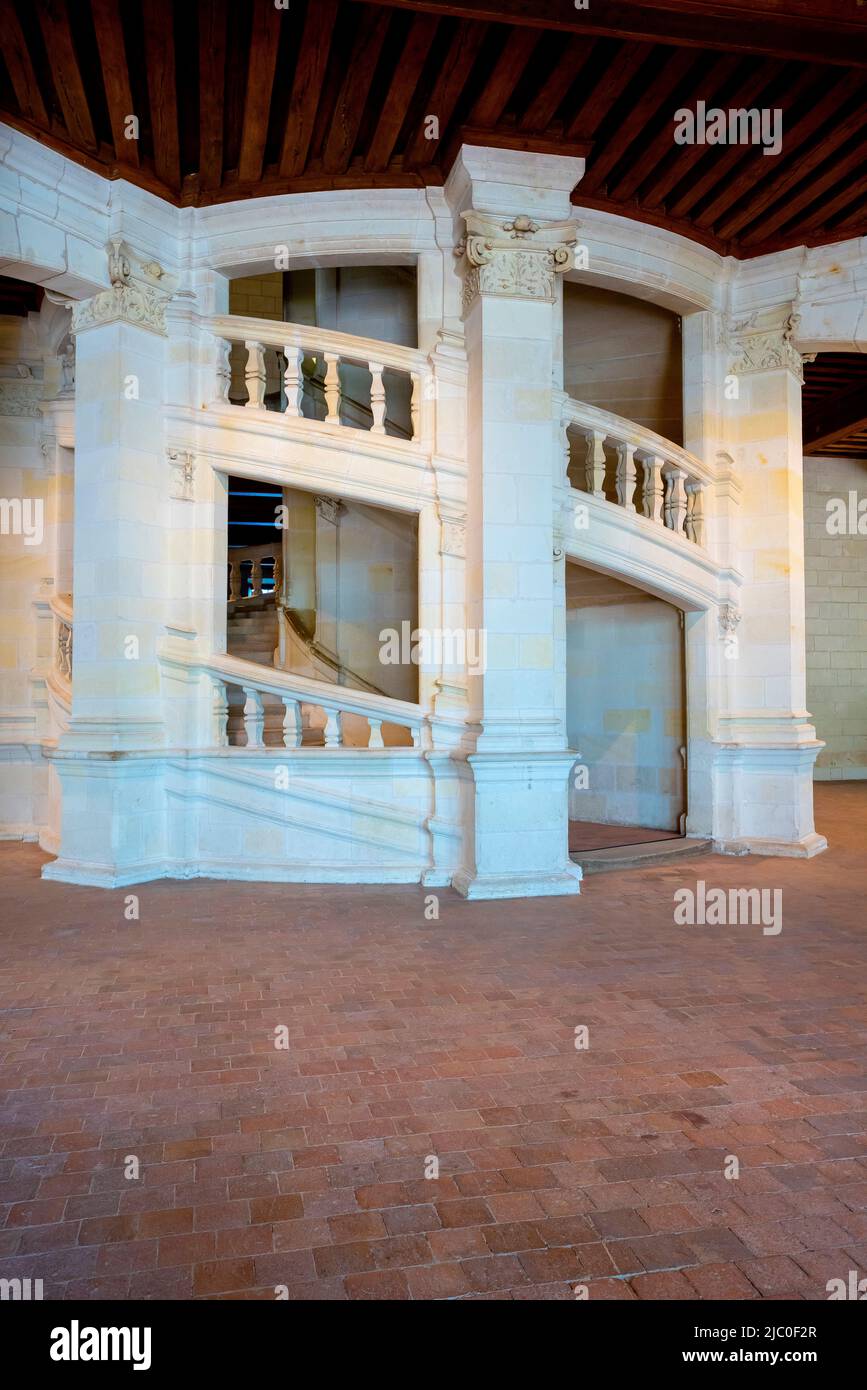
(625, 703)
(623, 354)
(836, 583)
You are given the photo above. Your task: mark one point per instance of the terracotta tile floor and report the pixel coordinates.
(588, 834)
(305, 1166)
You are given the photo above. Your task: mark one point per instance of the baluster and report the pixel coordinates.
(626, 477)
(234, 581)
(224, 369)
(375, 740)
(564, 443)
(278, 575)
(291, 722)
(255, 578)
(675, 499)
(332, 388)
(594, 467)
(694, 525)
(377, 397)
(293, 379)
(219, 714)
(254, 375)
(254, 718)
(415, 404)
(416, 736)
(333, 728)
(653, 490)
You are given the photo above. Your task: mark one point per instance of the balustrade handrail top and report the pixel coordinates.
(61, 607)
(639, 436)
(235, 671)
(240, 328)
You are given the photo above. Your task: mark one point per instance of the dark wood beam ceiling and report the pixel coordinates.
(835, 405)
(243, 99)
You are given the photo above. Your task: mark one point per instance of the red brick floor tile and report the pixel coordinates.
(437, 1281)
(379, 1284)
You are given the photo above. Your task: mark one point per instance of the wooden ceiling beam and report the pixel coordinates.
(514, 57)
(405, 79)
(65, 73)
(314, 45)
(806, 30)
(769, 189)
(115, 77)
(671, 71)
(159, 37)
(813, 188)
(16, 56)
(647, 158)
(455, 72)
(354, 90)
(212, 90)
(601, 95)
(261, 65)
(832, 418)
(574, 59)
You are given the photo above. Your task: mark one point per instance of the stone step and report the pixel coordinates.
(597, 861)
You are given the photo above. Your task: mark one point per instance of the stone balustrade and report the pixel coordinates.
(296, 692)
(248, 568)
(323, 376)
(617, 461)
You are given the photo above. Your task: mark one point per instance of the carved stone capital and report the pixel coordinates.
(729, 618)
(517, 259)
(328, 508)
(763, 342)
(133, 298)
(183, 466)
(453, 539)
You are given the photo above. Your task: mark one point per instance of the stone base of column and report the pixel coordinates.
(112, 819)
(763, 798)
(516, 819)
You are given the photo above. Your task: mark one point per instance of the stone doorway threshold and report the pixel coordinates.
(597, 847)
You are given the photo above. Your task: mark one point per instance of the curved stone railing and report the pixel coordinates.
(61, 607)
(293, 691)
(636, 469)
(398, 375)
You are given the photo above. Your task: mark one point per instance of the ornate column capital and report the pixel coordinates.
(136, 296)
(515, 259)
(762, 341)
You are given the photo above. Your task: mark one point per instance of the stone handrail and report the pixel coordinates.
(295, 691)
(297, 341)
(653, 477)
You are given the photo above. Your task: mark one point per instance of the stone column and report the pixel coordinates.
(517, 240)
(767, 744)
(112, 824)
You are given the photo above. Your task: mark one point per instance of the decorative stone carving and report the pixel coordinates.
(729, 618)
(183, 465)
(495, 265)
(763, 342)
(328, 508)
(127, 301)
(67, 369)
(63, 652)
(21, 396)
(453, 539)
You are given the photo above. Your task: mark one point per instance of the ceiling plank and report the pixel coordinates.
(601, 96)
(514, 57)
(162, 89)
(65, 73)
(772, 188)
(832, 418)
(354, 90)
(115, 76)
(264, 44)
(404, 81)
(647, 158)
(808, 30)
(572, 62)
(814, 187)
(16, 56)
(456, 69)
(671, 71)
(212, 88)
(314, 47)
